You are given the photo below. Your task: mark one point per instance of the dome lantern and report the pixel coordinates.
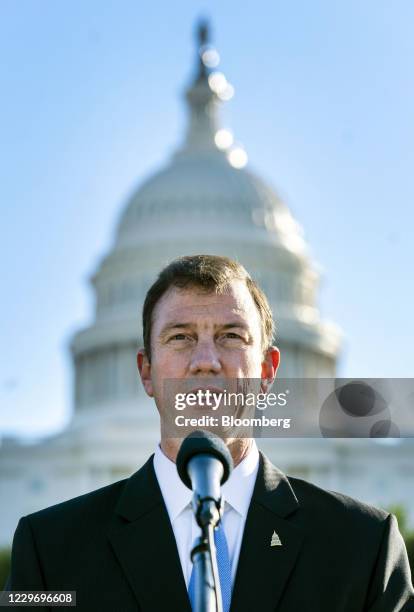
(207, 90)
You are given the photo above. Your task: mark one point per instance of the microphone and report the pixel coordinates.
(204, 463)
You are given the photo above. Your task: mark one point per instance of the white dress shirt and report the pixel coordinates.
(237, 493)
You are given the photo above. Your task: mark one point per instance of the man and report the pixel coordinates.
(290, 546)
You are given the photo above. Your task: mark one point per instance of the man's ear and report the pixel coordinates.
(270, 365)
(144, 369)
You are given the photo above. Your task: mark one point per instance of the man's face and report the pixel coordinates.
(204, 335)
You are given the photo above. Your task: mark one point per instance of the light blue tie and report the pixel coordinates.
(224, 569)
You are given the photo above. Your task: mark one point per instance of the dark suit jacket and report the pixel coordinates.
(116, 548)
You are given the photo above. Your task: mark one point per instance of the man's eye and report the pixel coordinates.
(180, 339)
(232, 336)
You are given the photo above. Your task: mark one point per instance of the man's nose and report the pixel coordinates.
(205, 359)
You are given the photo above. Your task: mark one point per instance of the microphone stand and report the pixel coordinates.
(208, 513)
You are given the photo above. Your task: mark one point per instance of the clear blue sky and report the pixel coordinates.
(91, 102)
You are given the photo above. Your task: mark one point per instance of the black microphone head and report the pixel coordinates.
(203, 443)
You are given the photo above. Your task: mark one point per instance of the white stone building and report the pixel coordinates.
(202, 201)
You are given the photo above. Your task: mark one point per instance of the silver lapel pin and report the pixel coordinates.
(275, 541)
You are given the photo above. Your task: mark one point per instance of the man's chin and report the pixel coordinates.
(184, 427)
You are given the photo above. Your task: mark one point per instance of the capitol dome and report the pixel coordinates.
(205, 200)
(204, 191)
(205, 194)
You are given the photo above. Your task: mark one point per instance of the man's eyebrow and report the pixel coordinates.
(174, 325)
(178, 325)
(234, 324)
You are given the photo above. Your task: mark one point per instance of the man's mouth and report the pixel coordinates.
(204, 390)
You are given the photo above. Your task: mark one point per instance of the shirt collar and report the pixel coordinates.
(176, 495)
(237, 491)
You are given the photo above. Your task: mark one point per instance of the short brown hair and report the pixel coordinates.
(209, 272)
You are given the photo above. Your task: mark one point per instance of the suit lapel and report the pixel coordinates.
(263, 570)
(144, 544)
